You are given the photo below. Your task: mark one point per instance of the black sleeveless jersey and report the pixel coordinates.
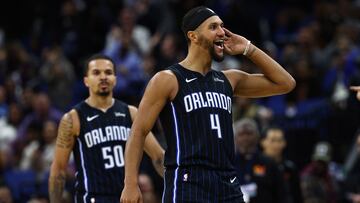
(198, 122)
(99, 149)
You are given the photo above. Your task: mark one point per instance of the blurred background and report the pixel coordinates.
(43, 45)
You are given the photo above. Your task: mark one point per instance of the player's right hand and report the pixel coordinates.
(357, 90)
(131, 194)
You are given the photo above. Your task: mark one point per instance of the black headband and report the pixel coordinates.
(195, 17)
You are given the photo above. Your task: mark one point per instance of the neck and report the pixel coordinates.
(275, 157)
(99, 102)
(198, 60)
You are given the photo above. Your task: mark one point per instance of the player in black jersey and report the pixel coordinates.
(194, 104)
(96, 131)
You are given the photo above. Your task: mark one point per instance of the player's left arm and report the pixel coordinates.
(152, 147)
(274, 79)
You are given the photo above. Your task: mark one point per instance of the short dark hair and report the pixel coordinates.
(96, 57)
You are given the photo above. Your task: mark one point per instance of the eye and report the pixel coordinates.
(109, 72)
(95, 72)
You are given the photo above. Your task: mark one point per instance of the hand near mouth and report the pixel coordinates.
(234, 44)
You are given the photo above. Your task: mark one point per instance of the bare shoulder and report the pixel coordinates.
(69, 127)
(165, 83)
(71, 121)
(234, 76)
(164, 76)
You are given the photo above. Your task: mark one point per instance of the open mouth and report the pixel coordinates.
(219, 44)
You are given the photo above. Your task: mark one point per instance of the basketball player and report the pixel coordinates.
(194, 104)
(96, 130)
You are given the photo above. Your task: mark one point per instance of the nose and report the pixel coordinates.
(221, 32)
(103, 75)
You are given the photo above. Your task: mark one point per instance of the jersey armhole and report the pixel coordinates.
(228, 82)
(177, 82)
(76, 118)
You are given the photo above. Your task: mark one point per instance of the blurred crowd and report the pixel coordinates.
(302, 144)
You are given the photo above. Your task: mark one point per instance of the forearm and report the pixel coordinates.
(270, 68)
(133, 155)
(56, 186)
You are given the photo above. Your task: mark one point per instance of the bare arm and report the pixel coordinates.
(152, 147)
(63, 148)
(274, 80)
(160, 89)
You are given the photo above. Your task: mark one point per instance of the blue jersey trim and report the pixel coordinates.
(178, 150)
(84, 170)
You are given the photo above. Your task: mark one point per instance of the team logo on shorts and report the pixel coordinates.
(185, 177)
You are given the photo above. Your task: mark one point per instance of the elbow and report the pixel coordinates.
(289, 85)
(292, 84)
(159, 159)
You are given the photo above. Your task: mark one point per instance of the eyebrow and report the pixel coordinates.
(216, 23)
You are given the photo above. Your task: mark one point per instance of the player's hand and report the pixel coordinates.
(357, 89)
(131, 194)
(234, 44)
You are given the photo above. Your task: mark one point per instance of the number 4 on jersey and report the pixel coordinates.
(215, 124)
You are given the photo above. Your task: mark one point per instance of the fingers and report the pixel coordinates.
(227, 32)
(355, 88)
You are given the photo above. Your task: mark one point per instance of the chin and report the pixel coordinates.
(216, 57)
(103, 94)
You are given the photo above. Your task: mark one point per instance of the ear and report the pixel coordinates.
(115, 81)
(192, 36)
(86, 81)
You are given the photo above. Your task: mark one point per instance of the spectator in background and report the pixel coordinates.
(30, 128)
(167, 51)
(3, 63)
(317, 183)
(259, 175)
(22, 66)
(245, 108)
(42, 111)
(8, 126)
(70, 27)
(26, 100)
(137, 34)
(59, 76)
(5, 194)
(147, 189)
(38, 154)
(3, 105)
(130, 73)
(273, 144)
(342, 70)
